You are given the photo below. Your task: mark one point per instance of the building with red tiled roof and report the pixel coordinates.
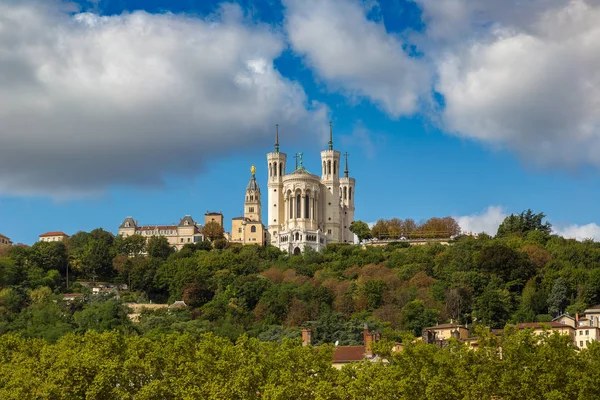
(54, 237)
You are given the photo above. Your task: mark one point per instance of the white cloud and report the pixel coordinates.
(356, 55)
(579, 232)
(527, 79)
(87, 101)
(487, 222)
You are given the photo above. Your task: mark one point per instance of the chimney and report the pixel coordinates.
(368, 340)
(306, 336)
(576, 319)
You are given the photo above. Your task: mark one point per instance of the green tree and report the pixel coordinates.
(213, 231)
(361, 230)
(558, 298)
(415, 317)
(159, 247)
(522, 223)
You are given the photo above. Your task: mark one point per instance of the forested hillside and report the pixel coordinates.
(524, 274)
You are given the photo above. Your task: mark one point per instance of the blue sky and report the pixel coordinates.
(157, 109)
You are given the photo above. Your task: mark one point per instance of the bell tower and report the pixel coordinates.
(347, 196)
(275, 208)
(252, 206)
(330, 178)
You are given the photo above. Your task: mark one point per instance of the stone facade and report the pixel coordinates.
(305, 210)
(187, 231)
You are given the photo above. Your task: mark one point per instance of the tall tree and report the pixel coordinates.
(522, 223)
(159, 247)
(558, 298)
(361, 230)
(213, 231)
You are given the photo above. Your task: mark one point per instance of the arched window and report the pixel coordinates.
(306, 207)
(298, 207)
(291, 207)
(280, 169)
(253, 229)
(324, 168)
(345, 193)
(270, 169)
(297, 236)
(329, 167)
(275, 167)
(350, 194)
(334, 167)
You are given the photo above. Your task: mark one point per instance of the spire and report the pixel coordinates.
(346, 170)
(277, 138)
(330, 135)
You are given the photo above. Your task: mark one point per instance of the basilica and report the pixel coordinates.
(305, 210)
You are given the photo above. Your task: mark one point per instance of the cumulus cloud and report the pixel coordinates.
(356, 55)
(89, 101)
(487, 221)
(527, 80)
(579, 232)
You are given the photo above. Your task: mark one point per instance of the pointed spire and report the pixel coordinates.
(346, 170)
(330, 135)
(277, 138)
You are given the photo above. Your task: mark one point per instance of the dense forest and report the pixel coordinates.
(112, 365)
(522, 274)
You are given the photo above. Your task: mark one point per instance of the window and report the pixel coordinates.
(181, 240)
(275, 167)
(349, 193)
(581, 343)
(253, 229)
(280, 169)
(306, 207)
(240, 229)
(298, 205)
(250, 209)
(329, 167)
(580, 333)
(189, 240)
(334, 167)
(329, 230)
(587, 333)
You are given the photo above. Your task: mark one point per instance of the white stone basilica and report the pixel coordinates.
(305, 210)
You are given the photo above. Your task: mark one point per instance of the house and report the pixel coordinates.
(348, 354)
(5, 241)
(440, 334)
(54, 237)
(540, 328)
(566, 319)
(72, 296)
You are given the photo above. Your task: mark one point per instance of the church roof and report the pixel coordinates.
(188, 219)
(253, 185)
(132, 223)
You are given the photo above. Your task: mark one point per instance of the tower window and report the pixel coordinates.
(251, 209)
(329, 167)
(253, 229)
(280, 169)
(334, 167)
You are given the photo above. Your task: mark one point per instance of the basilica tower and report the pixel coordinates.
(275, 207)
(330, 178)
(252, 205)
(347, 197)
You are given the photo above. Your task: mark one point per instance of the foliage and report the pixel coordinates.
(523, 223)
(361, 230)
(213, 231)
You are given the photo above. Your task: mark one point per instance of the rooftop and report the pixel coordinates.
(349, 353)
(446, 326)
(49, 234)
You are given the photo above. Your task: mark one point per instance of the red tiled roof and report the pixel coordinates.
(349, 353)
(537, 325)
(47, 234)
(153, 227)
(446, 326)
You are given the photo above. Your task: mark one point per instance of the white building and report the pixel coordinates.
(305, 210)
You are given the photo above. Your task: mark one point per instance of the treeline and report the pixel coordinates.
(523, 274)
(408, 229)
(115, 366)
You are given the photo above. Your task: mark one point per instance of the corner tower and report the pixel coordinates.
(330, 178)
(347, 197)
(252, 206)
(275, 211)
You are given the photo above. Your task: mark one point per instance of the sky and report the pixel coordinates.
(156, 109)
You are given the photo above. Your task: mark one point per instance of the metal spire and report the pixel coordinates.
(330, 135)
(277, 138)
(346, 170)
